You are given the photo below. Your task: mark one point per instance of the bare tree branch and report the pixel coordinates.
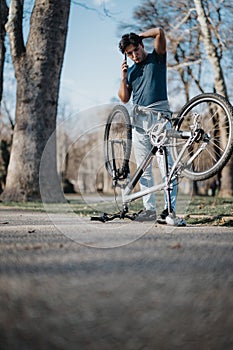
(14, 28)
(8, 114)
(184, 64)
(185, 19)
(106, 12)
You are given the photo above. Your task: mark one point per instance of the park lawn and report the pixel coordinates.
(202, 210)
(210, 211)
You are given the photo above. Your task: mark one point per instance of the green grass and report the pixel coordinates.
(210, 211)
(35, 206)
(201, 210)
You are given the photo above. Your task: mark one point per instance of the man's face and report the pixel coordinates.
(136, 53)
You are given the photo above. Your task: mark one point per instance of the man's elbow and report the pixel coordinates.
(124, 99)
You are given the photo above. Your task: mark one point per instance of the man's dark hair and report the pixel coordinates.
(129, 39)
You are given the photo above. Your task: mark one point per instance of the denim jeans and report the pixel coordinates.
(142, 146)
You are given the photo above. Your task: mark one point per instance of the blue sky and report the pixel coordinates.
(91, 69)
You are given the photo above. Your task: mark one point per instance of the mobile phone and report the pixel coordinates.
(125, 70)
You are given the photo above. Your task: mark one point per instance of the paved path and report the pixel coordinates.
(63, 285)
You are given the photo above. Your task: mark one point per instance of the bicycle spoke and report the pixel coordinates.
(117, 138)
(211, 116)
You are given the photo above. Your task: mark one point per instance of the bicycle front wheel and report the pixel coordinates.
(117, 142)
(209, 152)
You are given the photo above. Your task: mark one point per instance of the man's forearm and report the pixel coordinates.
(152, 33)
(124, 93)
(159, 38)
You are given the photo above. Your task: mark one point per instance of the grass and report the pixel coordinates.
(201, 210)
(216, 211)
(35, 206)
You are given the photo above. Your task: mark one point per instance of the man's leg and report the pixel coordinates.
(142, 146)
(173, 193)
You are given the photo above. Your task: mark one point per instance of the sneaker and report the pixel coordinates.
(162, 217)
(172, 220)
(146, 215)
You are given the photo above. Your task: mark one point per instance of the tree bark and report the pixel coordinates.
(37, 68)
(220, 87)
(3, 20)
(211, 49)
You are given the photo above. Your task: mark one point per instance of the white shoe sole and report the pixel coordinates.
(175, 221)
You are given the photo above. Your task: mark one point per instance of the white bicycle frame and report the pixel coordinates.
(160, 140)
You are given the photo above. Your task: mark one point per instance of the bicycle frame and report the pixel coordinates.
(170, 174)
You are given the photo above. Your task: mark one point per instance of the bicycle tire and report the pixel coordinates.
(216, 120)
(118, 134)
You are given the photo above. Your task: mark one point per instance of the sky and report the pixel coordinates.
(92, 63)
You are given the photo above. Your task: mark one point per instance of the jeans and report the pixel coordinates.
(142, 146)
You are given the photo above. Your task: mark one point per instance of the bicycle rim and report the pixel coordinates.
(117, 142)
(209, 153)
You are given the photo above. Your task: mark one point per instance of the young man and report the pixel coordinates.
(146, 81)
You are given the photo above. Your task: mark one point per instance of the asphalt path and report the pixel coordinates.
(69, 283)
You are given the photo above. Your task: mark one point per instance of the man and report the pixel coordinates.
(146, 81)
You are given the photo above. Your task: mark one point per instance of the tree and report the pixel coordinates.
(213, 51)
(37, 66)
(214, 54)
(3, 20)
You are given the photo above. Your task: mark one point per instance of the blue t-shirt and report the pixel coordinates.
(148, 79)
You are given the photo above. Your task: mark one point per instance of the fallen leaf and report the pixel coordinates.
(175, 246)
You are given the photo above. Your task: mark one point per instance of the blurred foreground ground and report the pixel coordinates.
(159, 288)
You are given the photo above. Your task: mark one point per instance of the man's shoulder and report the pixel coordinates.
(161, 58)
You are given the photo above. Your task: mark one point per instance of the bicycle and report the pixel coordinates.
(200, 141)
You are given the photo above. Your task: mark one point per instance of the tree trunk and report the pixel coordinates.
(3, 20)
(220, 87)
(37, 69)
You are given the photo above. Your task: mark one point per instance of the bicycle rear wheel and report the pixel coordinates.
(209, 153)
(118, 142)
